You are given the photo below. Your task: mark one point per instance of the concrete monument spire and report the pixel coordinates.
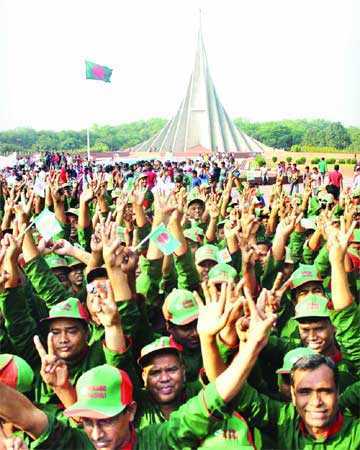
(201, 123)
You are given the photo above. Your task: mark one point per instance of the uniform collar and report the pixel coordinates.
(330, 431)
(131, 443)
(337, 357)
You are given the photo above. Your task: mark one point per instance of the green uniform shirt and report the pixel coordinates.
(187, 274)
(347, 324)
(350, 399)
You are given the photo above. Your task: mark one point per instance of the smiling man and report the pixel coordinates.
(317, 333)
(163, 374)
(314, 419)
(314, 392)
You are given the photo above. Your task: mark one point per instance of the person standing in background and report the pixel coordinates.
(322, 169)
(336, 178)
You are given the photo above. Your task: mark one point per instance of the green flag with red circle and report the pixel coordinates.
(97, 72)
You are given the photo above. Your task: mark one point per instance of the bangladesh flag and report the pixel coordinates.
(97, 72)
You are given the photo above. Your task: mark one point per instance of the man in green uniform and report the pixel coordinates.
(316, 332)
(105, 404)
(181, 311)
(314, 420)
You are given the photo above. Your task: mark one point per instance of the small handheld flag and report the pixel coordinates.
(47, 224)
(164, 240)
(96, 72)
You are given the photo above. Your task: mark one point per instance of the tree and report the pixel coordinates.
(354, 133)
(337, 136)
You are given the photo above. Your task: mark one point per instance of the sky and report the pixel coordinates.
(269, 59)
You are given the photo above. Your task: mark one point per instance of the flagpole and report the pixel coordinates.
(88, 142)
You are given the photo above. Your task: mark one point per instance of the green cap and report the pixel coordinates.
(313, 305)
(206, 252)
(194, 196)
(221, 223)
(71, 308)
(194, 233)
(160, 344)
(293, 356)
(180, 307)
(326, 197)
(73, 211)
(308, 224)
(72, 262)
(304, 274)
(55, 261)
(116, 193)
(102, 392)
(355, 193)
(16, 372)
(222, 272)
(355, 237)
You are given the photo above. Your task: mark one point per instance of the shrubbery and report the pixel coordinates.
(260, 160)
(312, 149)
(315, 161)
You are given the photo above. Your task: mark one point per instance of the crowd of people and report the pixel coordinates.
(177, 306)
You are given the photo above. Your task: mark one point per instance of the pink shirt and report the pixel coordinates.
(335, 178)
(151, 178)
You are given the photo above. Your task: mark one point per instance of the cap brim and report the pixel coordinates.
(82, 409)
(206, 259)
(315, 316)
(77, 264)
(282, 371)
(186, 321)
(155, 352)
(60, 267)
(45, 319)
(306, 281)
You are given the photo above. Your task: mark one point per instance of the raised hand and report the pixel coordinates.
(138, 194)
(234, 302)
(57, 191)
(87, 195)
(269, 301)
(54, 370)
(129, 260)
(212, 315)
(164, 205)
(27, 203)
(254, 332)
(104, 305)
(96, 244)
(111, 245)
(288, 223)
(213, 207)
(338, 241)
